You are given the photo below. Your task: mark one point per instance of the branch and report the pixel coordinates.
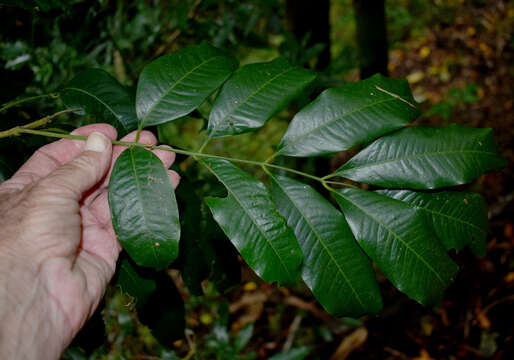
(35, 124)
(21, 101)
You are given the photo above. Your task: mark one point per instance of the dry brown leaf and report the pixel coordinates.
(350, 343)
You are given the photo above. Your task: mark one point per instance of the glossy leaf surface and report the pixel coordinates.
(425, 158)
(251, 221)
(334, 268)
(458, 218)
(401, 242)
(97, 93)
(144, 209)
(349, 115)
(174, 85)
(253, 94)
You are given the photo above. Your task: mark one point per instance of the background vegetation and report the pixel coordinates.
(458, 58)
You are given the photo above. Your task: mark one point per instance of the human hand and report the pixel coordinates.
(58, 249)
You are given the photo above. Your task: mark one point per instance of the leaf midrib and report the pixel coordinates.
(175, 84)
(139, 193)
(251, 218)
(322, 243)
(413, 156)
(359, 109)
(116, 116)
(442, 214)
(398, 237)
(259, 89)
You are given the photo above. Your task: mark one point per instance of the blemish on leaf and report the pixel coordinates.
(154, 179)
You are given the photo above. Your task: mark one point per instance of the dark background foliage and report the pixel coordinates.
(458, 58)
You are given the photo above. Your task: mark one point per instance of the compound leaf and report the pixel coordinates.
(174, 85)
(97, 93)
(425, 158)
(458, 218)
(335, 268)
(251, 221)
(253, 94)
(144, 209)
(349, 115)
(401, 242)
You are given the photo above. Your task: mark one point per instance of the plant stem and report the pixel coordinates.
(35, 124)
(21, 101)
(28, 129)
(203, 145)
(338, 183)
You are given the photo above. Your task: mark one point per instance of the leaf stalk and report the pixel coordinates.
(30, 129)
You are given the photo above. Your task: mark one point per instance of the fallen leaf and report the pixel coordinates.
(350, 343)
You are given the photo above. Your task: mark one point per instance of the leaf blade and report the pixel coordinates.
(98, 93)
(425, 158)
(266, 243)
(144, 209)
(174, 85)
(352, 114)
(398, 239)
(329, 248)
(253, 94)
(458, 218)
(133, 283)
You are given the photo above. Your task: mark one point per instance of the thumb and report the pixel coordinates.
(83, 172)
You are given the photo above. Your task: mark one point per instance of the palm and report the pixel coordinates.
(76, 246)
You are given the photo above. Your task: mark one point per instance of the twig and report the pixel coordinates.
(486, 309)
(395, 96)
(21, 101)
(35, 124)
(293, 329)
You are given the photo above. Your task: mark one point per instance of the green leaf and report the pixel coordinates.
(458, 218)
(164, 312)
(298, 353)
(401, 242)
(97, 93)
(243, 337)
(349, 115)
(251, 221)
(143, 208)
(253, 94)
(221, 254)
(334, 268)
(204, 251)
(425, 158)
(134, 282)
(191, 261)
(174, 85)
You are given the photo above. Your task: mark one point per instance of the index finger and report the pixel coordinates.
(51, 156)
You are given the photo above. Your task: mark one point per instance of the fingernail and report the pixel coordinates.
(96, 141)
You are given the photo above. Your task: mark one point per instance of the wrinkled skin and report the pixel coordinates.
(58, 250)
